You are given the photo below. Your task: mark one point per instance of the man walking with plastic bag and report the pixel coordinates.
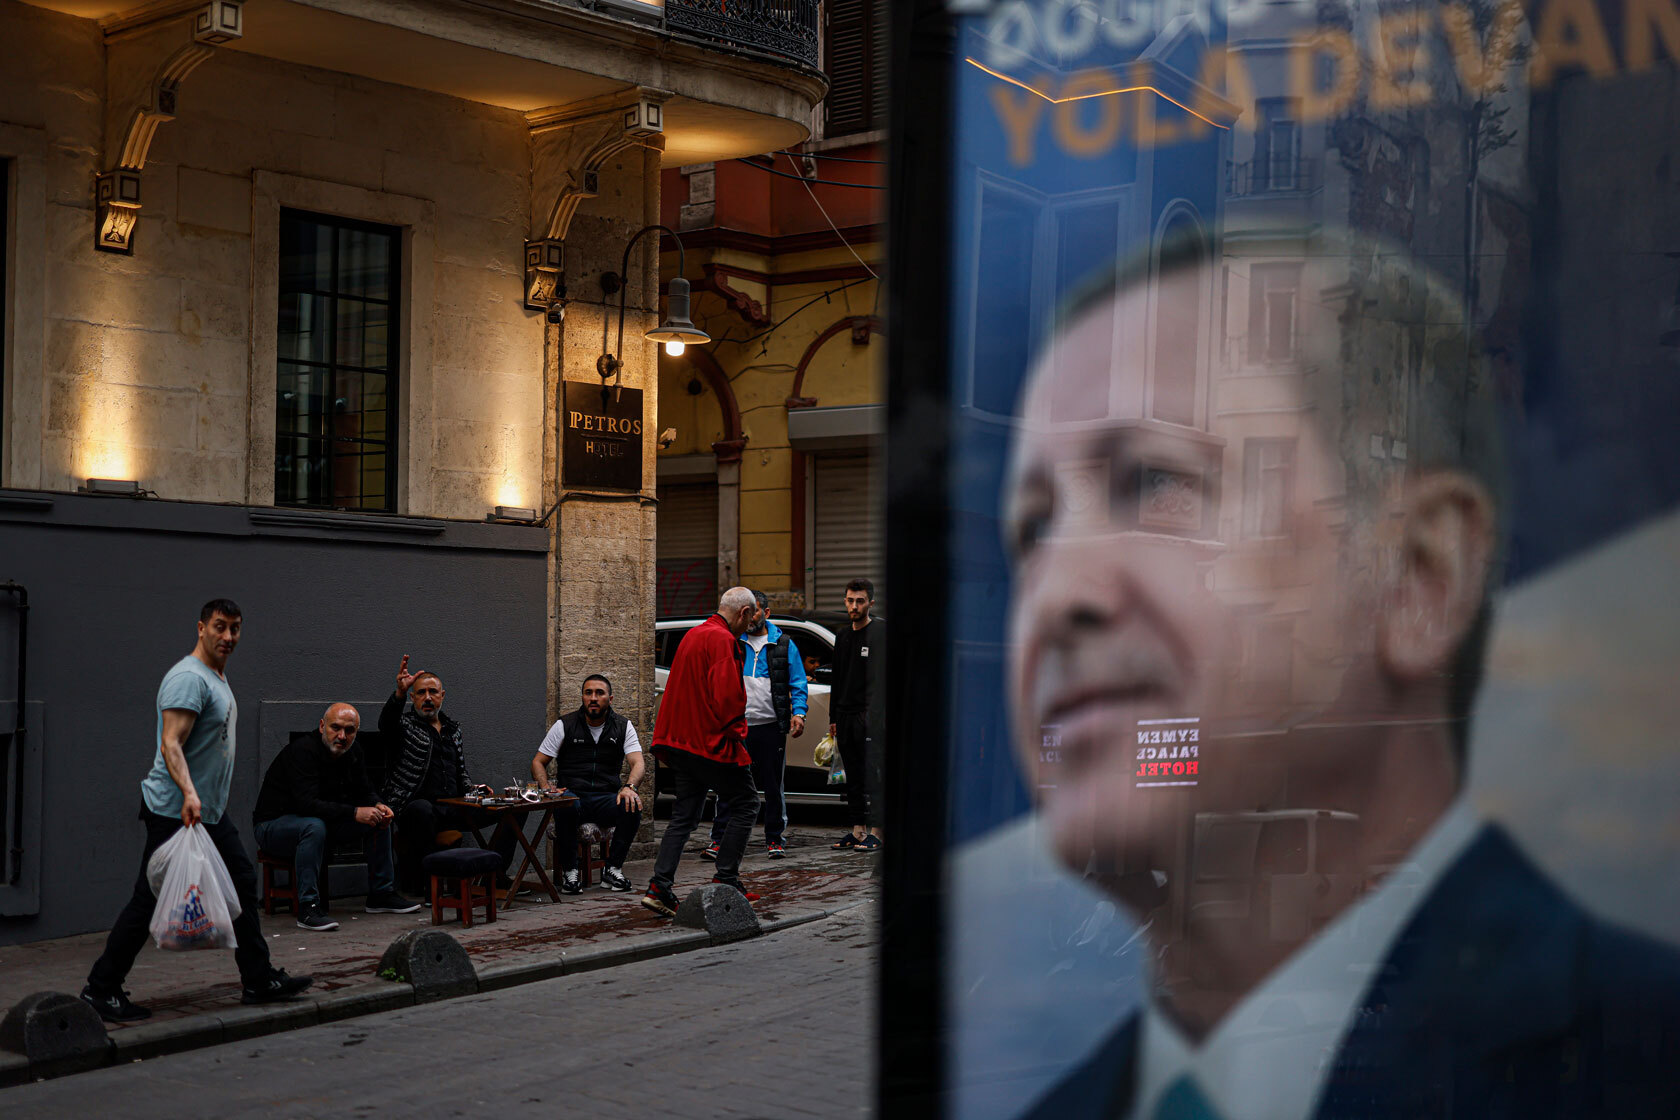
(188, 783)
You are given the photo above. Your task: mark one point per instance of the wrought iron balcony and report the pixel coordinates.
(782, 29)
(1273, 175)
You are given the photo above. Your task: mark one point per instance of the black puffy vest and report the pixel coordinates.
(781, 688)
(584, 765)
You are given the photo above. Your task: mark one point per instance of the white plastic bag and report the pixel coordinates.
(196, 902)
(823, 755)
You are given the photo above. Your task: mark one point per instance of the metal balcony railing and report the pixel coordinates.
(785, 29)
(1275, 175)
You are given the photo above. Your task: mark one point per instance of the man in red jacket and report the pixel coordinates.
(700, 735)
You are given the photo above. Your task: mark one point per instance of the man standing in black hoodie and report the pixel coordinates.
(316, 791)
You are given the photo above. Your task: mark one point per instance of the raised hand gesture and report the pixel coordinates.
(405, 679)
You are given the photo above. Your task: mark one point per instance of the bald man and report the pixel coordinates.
(316, 791)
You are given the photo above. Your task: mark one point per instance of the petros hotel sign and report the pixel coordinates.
(602, 443)
(1055, 61)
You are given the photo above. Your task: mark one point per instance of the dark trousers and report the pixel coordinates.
(419, 822)
(305, 840)
(693, 776)
(768, 747)
(596, 808)
(133, 926)
(860, 755)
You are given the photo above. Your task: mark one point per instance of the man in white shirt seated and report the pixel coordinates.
(587, 750)
(1248, 726)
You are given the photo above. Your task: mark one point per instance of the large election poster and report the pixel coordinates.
(1312, 526)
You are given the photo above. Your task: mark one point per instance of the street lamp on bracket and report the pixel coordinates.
(676, 330)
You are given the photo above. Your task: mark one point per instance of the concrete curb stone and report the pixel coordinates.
(237, 1024)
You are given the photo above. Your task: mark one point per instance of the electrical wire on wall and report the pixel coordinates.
(830, 221)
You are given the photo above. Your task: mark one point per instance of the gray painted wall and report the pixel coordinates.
(331, 604)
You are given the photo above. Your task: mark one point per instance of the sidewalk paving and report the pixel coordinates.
(810, 882)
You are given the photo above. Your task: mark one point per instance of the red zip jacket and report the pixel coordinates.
(704, 709)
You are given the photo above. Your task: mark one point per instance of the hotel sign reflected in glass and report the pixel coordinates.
(601, 447)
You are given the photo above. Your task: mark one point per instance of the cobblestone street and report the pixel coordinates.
(753, 1029)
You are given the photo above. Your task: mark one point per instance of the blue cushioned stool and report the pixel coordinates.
(465, 867)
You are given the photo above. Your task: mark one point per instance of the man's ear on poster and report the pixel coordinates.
(1444, 564)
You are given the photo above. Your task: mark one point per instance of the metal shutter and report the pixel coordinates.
(687, 549)
(848, 531)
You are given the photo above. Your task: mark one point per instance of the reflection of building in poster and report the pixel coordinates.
(1169, 752)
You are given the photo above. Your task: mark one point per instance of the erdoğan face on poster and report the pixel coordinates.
(1304, 407)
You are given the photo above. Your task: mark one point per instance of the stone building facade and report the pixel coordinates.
(308, 282)
(774, 473)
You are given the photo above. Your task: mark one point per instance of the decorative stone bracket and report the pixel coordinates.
(569, 147)
(117, 192)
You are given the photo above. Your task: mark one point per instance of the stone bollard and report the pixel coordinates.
(433, 962)
(57, 1031)
(721, 911)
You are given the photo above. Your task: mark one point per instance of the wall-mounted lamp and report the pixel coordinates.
(114, 487)
(676, 330)
(516, 515)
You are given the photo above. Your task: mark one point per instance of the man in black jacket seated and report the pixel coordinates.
(317, 790)
(587, 749)
(429, 764)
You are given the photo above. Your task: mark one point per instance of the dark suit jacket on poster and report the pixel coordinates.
(1501, 998)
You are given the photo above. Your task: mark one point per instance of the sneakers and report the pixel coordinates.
(276, 985)
(775, 850)
(737, 884)
(613, 879)
(660, 900)
(114, 1007)
(390, 902)
(710, 851)
(571, 882)
(313, 917)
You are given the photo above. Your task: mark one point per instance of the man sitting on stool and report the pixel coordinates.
(588, 749)
(317, 790)
(429, 763)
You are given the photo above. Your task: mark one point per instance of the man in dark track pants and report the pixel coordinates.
(777, 699)
(701, 736)
(859, 656)
(589, 748)
(191, 774)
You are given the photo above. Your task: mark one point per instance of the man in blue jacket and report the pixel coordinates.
(773, 674)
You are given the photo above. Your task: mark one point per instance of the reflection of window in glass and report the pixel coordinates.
(1338, 847)
(1268, 486)
(1272, 303)
(1177, 338)
(1283, 848)
(1087, 237)
(1276, 145)
(855, 50)
(1003, 272)
(1271, 661)
(335, 442)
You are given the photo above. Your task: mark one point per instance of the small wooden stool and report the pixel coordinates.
(271, 893)
(589, 835)
(465, 867)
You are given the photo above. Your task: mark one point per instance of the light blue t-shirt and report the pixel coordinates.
(194, 686)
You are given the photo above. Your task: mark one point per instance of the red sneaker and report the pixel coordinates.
(738, 885)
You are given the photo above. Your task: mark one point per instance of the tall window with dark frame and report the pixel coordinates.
(335, 432)
(855, 59)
